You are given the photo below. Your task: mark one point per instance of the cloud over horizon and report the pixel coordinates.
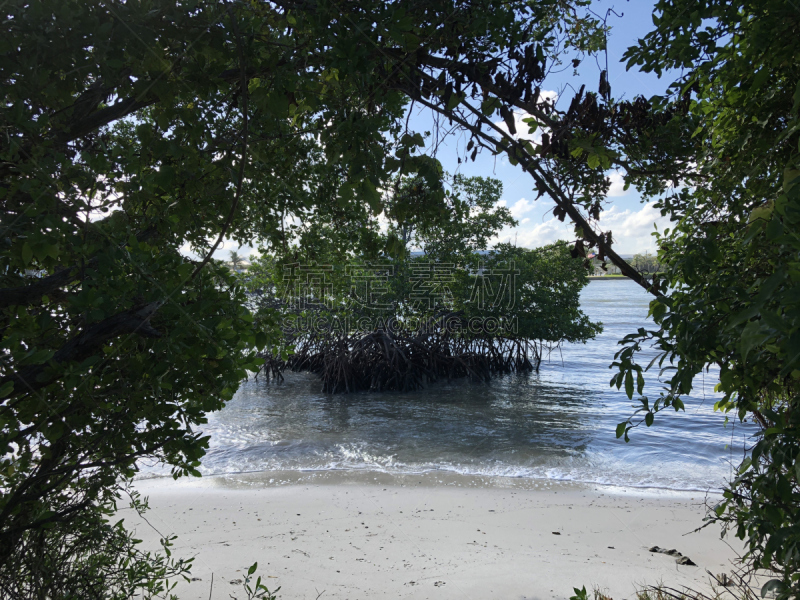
(631, 229)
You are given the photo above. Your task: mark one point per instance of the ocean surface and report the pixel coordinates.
(557, 424)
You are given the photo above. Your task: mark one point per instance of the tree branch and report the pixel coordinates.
(30, 294)
(26, 295)
(544, 182)
(90, 341)
(243, 83)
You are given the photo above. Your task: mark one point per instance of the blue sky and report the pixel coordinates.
(630, 220)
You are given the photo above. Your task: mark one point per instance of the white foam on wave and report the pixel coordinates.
(354, 460)
(600, 470)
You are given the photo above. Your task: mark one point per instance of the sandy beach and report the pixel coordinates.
(358, 536)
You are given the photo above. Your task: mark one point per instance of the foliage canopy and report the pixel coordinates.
(729, 260)
(132, 130)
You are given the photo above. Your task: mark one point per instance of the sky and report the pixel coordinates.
(631, 221)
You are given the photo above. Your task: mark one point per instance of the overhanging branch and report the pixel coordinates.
(135, 321)
(544, 182)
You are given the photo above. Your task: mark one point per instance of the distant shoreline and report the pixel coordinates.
(609, 278)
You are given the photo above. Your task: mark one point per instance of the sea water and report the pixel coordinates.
(557, 424)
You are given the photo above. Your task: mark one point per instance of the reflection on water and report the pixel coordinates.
(557, 424)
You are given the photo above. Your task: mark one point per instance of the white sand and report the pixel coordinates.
(374, 536)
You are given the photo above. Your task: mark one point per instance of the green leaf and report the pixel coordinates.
(657, 310)
(6, 389)
(629, 384)
(27, 253)
(746, 463)
(261, 339)
(752, 336)
(580, 594)
(648, 419)
(489, 106)
(621, 429)
(278, 104)
(773, 586)
(744, 315)
(455, 100)
(252, 568)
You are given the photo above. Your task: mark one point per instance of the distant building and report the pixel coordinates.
(597, 266)
(244, 265)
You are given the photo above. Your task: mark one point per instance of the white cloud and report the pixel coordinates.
(523, 128)
(550, 96)
(545, 233)
(383, 222)
(520, 207)
(617, 187)
(631, 229)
